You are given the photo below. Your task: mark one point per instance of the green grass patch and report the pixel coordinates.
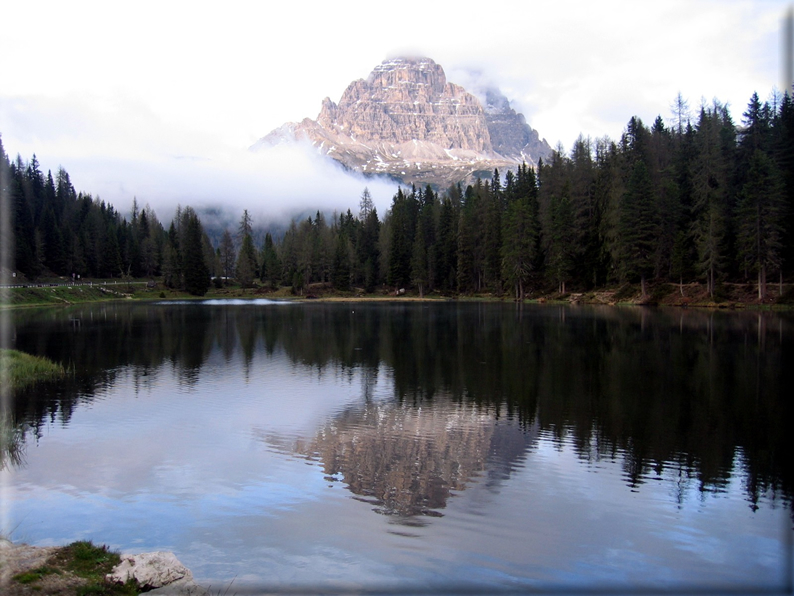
(86, 560)
(80, 569)
(20, 369)
(93, 563)
(65, 295)
(34, 575)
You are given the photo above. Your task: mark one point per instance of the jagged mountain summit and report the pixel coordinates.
(408, 122)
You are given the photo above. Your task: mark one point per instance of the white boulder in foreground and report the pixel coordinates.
(156, 570)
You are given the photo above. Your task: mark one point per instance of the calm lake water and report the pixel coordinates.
(440, 447)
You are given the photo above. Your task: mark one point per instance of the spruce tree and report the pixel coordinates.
(245, 268)
(365, 205)
(665, 196)
(520, 248)
(271, 267)
(228, 255)
(340, 269)
(470, 245)
(584, 210)
(447, 243)
(492, 203)
(710, 193)
(172, 260)
(783, 151)
(368, 250)
(419, 268)
(761, 218)
(561, 242)
(638, 226)
(196, 272)
(403, 227)
(23, 229)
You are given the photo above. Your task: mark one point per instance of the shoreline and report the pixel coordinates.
(693, 295)
(27, 569)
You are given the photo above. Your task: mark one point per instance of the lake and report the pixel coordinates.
(413, 447)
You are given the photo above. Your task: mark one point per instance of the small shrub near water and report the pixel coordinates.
(658, 293)
(625, 292)
(720, 294)
(788, 296)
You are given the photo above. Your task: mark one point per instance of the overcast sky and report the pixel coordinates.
(161, 100)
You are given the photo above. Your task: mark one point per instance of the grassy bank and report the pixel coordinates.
(19, 369)
(66, 295)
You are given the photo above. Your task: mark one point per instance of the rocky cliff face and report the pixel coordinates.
(511, 136)
(406, 121)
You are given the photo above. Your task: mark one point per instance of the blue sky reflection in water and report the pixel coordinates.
(340, 446)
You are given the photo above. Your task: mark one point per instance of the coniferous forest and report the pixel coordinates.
(698, 199)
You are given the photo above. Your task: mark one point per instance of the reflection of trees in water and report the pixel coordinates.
(660, 390)
(407, 460)
(12, 442)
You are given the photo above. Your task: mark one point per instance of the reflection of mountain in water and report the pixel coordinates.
(702, 392)
(408, 460)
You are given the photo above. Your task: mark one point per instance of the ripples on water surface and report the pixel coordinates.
(420, 446)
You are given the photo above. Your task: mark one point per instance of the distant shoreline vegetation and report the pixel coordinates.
(695, 295)
(698, 201)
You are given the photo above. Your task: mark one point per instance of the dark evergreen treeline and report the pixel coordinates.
(57, 230)
(709, 201)
(703, 200)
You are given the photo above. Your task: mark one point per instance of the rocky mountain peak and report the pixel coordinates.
(416, 72)
(407, 121)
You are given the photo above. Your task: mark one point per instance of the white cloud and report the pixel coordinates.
(118, 93)
(121, 149)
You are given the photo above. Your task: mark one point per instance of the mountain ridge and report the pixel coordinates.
(406, 121)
